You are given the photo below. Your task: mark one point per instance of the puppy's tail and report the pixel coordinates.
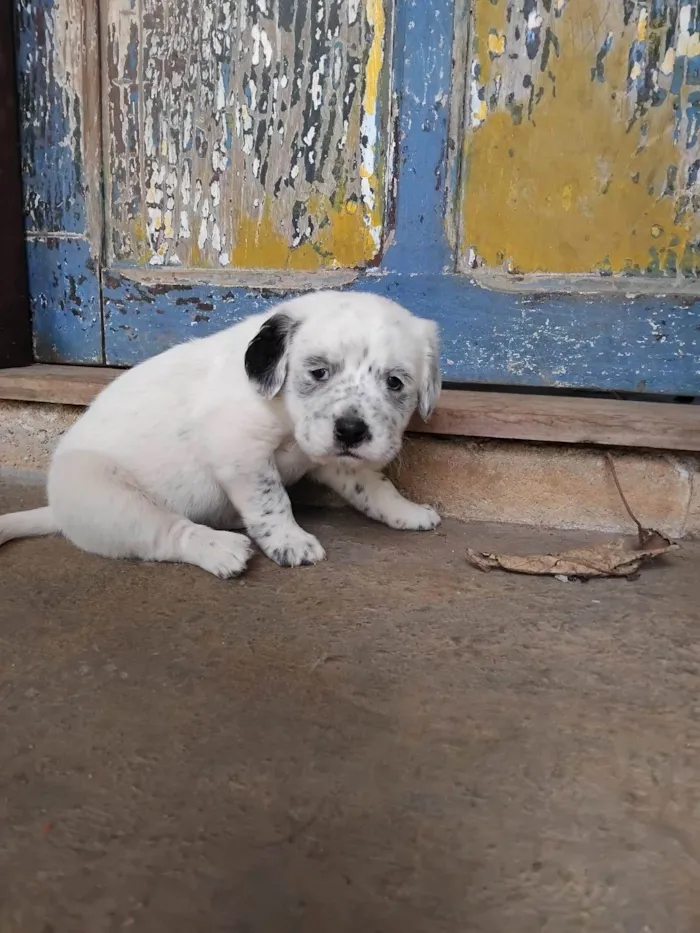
(27, 524)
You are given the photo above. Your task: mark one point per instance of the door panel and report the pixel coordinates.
(602, 332)
(59, 110)
(250, 135)
(582, 138)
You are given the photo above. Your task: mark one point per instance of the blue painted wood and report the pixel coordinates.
(65, 301)
(643, 344)
(63, 276)
(648, 344)
(142, 320)
(50, 126)
(422, 75)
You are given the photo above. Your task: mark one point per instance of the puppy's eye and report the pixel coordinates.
(320, 375)
(394, 384)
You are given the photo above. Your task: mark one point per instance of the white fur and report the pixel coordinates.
(188, 445)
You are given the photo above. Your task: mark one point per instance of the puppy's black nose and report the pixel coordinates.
(350, 431)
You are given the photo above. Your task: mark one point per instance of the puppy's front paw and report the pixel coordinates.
(412, 517)
(293, 547)
(222, 553)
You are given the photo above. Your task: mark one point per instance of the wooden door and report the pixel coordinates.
(525, 173)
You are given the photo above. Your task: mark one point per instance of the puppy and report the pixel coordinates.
(205, 437)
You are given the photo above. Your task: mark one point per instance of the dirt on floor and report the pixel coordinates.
(390, 742)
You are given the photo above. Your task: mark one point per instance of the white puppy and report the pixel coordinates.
(204, 437)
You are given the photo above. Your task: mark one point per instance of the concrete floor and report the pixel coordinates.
(391, 742)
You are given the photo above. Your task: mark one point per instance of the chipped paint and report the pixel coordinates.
(191, 115)
(59, 116)
(487, 336)
(250, 135)
(423, 62)
(59, 111)
(582, 138)
(65, 301)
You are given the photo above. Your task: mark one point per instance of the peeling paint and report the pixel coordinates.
(65, 301)
(59, 111)
(582, 140)
(279, 112)
(58, 154)
(264, 164)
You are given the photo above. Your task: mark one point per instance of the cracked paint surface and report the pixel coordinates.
(246, 133)
(582, 141)
(58, 108)
(50, 85)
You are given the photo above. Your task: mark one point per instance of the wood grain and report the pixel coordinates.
(607, 422)
(61, 385)
(500, 415)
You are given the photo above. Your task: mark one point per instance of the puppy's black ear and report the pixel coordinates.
(267, 353)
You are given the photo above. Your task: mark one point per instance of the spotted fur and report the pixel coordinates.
(180, 453)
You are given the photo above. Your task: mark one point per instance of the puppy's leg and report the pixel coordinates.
(376, 496)
(99, 506)
(260, 497)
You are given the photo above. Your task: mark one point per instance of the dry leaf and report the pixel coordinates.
(619, 558)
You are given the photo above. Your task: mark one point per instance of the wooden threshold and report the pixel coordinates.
(565, 420)
(60, 385)
(501, 415)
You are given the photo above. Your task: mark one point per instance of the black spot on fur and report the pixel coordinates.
(285, 557)
(264, 358)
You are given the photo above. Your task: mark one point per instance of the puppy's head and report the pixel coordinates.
(351, 369)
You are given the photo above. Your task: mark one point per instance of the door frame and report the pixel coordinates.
(15, 319)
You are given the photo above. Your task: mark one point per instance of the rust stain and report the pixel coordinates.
(582, 140)
(249, 135)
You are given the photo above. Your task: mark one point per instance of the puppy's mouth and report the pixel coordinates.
(365, 456)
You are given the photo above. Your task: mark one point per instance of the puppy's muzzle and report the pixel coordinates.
(351, 431)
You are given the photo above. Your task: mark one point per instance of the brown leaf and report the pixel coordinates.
(618, 558)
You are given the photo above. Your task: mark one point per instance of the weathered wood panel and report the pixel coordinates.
(58, 65)
(594, 342)
(247, 133)
(59, 110)
(609, 342)
(424, 81)
(65, 300)
(582, 137)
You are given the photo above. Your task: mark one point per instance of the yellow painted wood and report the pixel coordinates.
(246, 135)
(581, 138)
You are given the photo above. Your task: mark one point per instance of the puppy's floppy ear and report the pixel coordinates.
(431, 380)
(267, 354)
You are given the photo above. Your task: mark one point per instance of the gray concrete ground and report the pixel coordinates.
(391, 742)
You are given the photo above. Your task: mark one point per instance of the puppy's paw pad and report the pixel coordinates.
(223, 553)
(295, 550)
(418, 518)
